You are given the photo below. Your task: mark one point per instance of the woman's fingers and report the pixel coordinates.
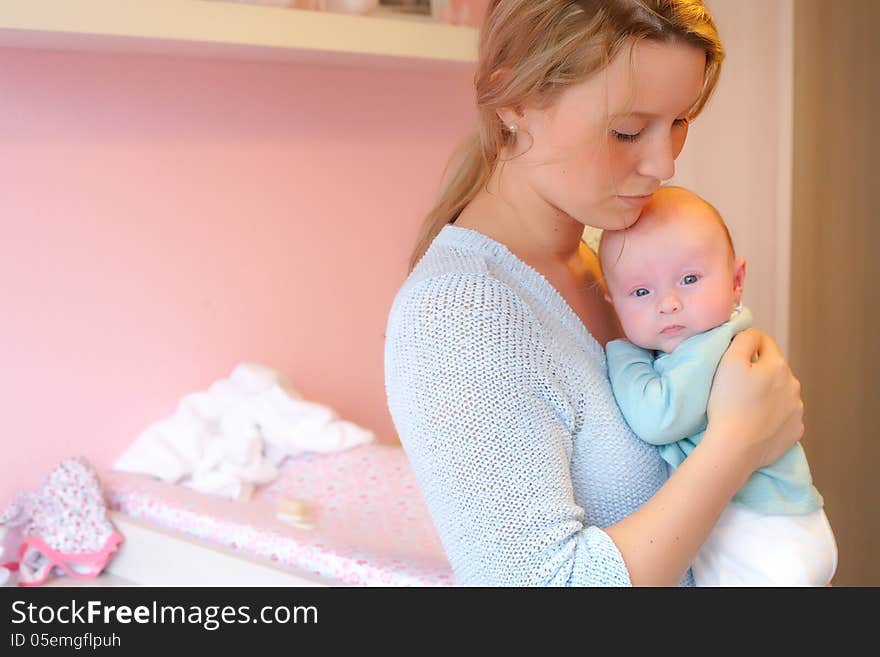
(769, 350)
(786, 390)
(745, 345)
(754, 389)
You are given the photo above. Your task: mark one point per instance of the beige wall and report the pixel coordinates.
(835, 272)
(738, 154)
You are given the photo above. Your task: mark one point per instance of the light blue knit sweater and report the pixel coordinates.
(500, 397)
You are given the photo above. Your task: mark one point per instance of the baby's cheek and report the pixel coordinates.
(636, 327)
(718, 314)
(625, 317)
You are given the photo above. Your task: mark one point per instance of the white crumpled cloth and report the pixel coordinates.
(232, 437)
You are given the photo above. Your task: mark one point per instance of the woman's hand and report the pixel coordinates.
(756, 399)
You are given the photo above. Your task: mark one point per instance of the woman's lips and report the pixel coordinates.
(635, 201)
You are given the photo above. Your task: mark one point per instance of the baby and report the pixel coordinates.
(676, 285)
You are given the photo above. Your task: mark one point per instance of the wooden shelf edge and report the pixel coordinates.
(217, 29)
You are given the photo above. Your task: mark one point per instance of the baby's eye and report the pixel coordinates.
(690, 279)
(641, 292)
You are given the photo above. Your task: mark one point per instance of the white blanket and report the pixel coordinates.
(232, 437)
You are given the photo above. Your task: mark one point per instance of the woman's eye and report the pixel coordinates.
(641, 292)
(630, 137)
(690, 279)
(625, 136)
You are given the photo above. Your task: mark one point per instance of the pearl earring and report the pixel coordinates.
(512, 128)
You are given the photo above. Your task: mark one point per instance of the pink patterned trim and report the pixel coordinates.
(96, 560)
(370, 524)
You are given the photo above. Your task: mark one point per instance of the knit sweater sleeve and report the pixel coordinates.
(489, 437)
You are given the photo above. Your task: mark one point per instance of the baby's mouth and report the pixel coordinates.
(672, 330)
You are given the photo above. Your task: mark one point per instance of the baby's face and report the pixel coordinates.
(675, 275)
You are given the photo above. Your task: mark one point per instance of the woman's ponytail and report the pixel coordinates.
(471, 174)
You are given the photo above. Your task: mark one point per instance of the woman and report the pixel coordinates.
(495, 370)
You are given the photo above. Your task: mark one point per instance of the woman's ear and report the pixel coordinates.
(739, 278)
(510, 116)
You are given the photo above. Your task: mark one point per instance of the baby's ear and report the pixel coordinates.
(739, 278)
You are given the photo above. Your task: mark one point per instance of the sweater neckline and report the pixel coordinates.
(473, 239)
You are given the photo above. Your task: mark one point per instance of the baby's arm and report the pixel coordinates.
(665, 406)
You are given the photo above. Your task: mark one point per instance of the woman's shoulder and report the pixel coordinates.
(464, 289)
(456, 268)
(456, 296)
(441, 267)
(454, 251)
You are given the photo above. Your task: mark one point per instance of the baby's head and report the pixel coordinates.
(673, 273)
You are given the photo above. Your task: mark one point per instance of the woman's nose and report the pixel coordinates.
(658, 160)
(670, 304)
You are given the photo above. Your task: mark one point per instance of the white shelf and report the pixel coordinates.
(230, 30)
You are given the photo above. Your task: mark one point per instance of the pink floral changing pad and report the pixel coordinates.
(370, 524)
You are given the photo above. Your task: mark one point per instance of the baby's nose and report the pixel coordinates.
(670, 304)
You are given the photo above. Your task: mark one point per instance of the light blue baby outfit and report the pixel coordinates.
(664, 398)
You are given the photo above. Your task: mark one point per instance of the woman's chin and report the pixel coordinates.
(619, 219)
(629, 217)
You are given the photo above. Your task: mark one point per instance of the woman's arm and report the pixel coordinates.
(755, 416)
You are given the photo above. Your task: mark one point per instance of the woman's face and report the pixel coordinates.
(605, 145)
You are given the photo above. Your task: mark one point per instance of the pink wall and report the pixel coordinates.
(164, 219)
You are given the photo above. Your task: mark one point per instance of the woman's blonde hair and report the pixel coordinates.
(531, 50)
